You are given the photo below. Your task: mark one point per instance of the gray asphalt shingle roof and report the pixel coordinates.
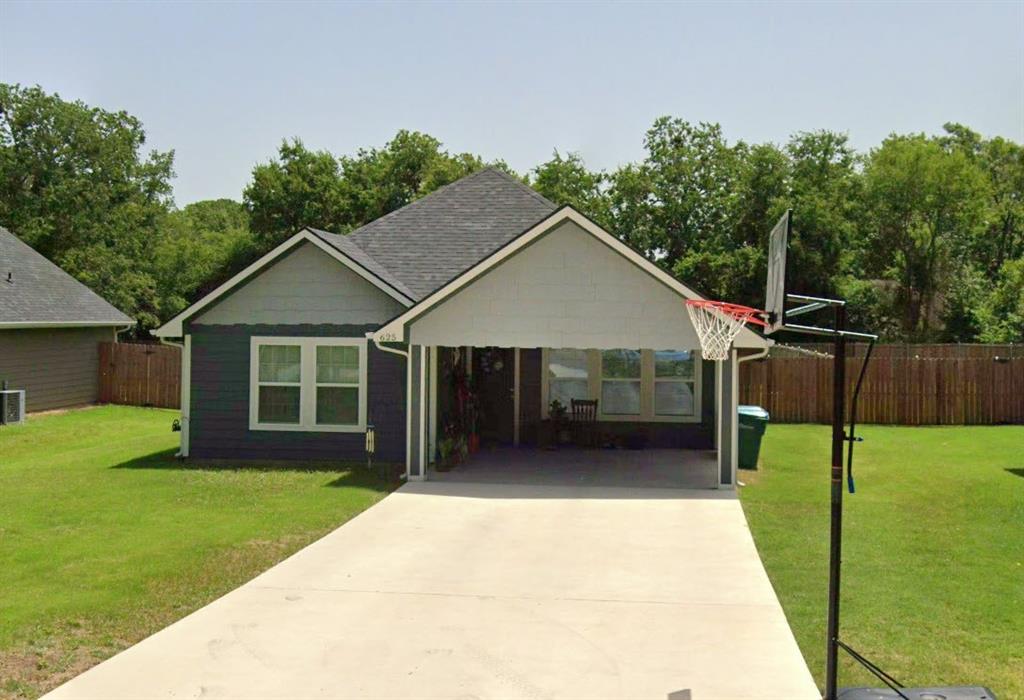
(40, 292)
(428, 242)
(353, 251)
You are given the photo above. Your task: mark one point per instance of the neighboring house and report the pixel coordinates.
(296, 354)
(50, 328)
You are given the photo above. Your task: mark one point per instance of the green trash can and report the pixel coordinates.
(753, 423)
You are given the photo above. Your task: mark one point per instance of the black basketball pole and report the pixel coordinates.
(836, 540)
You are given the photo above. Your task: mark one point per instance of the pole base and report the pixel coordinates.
(966, 692)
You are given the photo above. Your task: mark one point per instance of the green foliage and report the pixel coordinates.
(924, 236)
(195, 246)
(1002, 314)
(824, 196)
(306, 188)
(75, 185)
(300, 188)
(924, 205)
(566, 180)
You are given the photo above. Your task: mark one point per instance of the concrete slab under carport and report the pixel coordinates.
(569, 466)
(472, 590)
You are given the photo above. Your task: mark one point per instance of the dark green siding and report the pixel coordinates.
(219, 407)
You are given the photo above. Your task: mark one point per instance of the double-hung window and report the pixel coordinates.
(620, 382)
(568, 376)
(675, 383)
(314, 384)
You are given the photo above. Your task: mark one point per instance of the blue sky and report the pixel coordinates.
(222, 84)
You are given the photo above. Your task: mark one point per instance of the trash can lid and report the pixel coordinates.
(754, 412)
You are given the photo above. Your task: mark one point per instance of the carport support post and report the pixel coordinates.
(836, 542)
(416, 427)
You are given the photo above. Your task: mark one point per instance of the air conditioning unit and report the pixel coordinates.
(12, 406)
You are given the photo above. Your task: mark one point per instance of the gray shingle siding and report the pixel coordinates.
(219, 406)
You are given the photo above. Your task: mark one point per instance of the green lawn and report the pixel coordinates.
(933, 572)
(106, 538)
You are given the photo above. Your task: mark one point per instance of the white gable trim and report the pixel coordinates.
(173, 328)
(395, 329)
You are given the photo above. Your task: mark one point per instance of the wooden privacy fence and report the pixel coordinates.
(140, 375)
(904, 384)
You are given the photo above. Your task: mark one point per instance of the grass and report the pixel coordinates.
(933, 550)
(106, 538)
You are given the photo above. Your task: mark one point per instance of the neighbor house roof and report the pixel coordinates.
(430, 241)
(35, 293)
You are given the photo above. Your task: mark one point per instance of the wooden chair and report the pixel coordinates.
(584, 422)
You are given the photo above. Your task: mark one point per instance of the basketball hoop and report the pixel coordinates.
(717, 323)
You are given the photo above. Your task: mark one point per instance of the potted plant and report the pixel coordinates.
(559, 416)
(451, 449)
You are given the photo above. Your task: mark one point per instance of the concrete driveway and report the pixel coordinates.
(465, 590)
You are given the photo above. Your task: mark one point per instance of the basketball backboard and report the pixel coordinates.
(775, 292)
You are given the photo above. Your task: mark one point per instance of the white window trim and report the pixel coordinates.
(601, 379)
(647, 379)
(695, 381)
(307, 391)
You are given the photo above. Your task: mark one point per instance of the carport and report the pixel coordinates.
(567, 288)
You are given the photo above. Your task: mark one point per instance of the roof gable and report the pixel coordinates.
(352, 259)
(34, 292)
(431, 240)
(397, 329)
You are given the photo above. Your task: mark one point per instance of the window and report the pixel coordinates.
(568, 377)
(620, 382)
(316, 384)
(674, 383)
(337, 385)
(630, 385)
(279, 387)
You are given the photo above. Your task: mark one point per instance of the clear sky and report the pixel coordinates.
(222, 84)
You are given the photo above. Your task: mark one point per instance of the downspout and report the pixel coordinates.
(408, 398)
(184, 409)
(746, 358)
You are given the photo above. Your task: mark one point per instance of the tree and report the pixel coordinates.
(566, 180)
(1002, 160)
(306, 188)
(75, 185)
(824, 195)
(195, 245)
(1002, 315)
(682, 192)
(300, 188)
(924, 205)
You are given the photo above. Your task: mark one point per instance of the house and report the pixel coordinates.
(294, 356)
(50, 328)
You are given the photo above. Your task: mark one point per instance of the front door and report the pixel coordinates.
(494, 380)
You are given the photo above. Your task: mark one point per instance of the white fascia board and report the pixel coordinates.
(174, 327)
(66, 324)
(394, 330)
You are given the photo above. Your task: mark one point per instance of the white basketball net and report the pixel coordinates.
(716, 328)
